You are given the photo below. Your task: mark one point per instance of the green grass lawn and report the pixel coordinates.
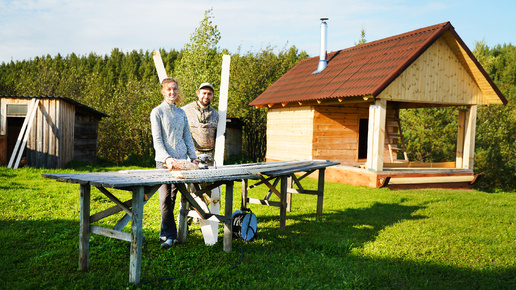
(367, 238)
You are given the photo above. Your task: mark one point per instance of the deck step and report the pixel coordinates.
(425, 180)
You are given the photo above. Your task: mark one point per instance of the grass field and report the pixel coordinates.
(367, 238)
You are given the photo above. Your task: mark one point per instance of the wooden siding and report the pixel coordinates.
(437, 76)
(50, 142)
(319, 132)
(85, 138)
(336, 132)
(289, 133)
(489, 94)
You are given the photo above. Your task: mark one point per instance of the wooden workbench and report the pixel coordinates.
(288, 178)
(144, 183)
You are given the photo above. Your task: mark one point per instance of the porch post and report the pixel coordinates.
(469, 138)
(376, 135)
(460, 138)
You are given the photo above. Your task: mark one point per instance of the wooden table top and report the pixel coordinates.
(152, 177)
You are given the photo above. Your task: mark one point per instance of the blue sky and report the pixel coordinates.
(30, 28)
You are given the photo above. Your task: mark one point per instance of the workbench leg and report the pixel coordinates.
(283, 202)
(182, 221)
(320, 192)
(84, 232)
(244, 193)
(135, 262)
(289, 194)
(228, 212)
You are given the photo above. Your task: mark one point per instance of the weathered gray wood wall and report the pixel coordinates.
(62, 130)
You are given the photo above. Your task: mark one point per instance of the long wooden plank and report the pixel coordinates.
(110, 233)
(126, 218)
(24, 134)
(160, 68)
(109, 212)
(210, 228)
(439, 179)
(240, 170)
(417, 165)
(263, 202)
(115, 200)
(223, 107)
(270, 186)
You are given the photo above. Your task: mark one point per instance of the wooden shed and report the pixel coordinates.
(59, 129)
(349, 112)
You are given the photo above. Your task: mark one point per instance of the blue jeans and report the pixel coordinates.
(167, 201)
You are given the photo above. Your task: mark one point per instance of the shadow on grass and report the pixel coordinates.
(342, 230)
(328, 243)
(313, 252)
(36, 254)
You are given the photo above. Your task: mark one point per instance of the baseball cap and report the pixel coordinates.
(204, 85)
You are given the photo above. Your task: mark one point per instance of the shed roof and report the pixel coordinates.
(367, 69)
(83, 108)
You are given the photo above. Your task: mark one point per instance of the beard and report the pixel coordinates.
(205, 103)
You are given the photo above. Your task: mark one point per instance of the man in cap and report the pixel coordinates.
(203, 119)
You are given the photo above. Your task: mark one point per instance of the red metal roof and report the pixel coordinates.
(363, 70)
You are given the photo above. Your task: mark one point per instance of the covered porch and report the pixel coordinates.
(404, 174)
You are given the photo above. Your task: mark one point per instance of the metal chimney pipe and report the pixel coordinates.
(322, 58)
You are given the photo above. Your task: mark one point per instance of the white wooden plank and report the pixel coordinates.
(22, 133)
(33, 110)
(160, 68)
(223, 106)
(210, 228)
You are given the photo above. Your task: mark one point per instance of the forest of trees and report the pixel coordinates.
(125, 86)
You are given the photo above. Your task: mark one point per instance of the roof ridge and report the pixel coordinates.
(362, 70)
(386, 39)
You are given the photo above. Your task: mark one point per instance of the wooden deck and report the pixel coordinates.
(405, 176)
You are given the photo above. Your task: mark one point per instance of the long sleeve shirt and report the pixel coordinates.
(170, 133)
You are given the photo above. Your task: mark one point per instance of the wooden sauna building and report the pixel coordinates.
(56, 130)
(349, 112)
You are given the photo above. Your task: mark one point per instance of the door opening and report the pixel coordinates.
(14, 125)
(363, 132)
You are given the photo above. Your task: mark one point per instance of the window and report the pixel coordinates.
(16, 110)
